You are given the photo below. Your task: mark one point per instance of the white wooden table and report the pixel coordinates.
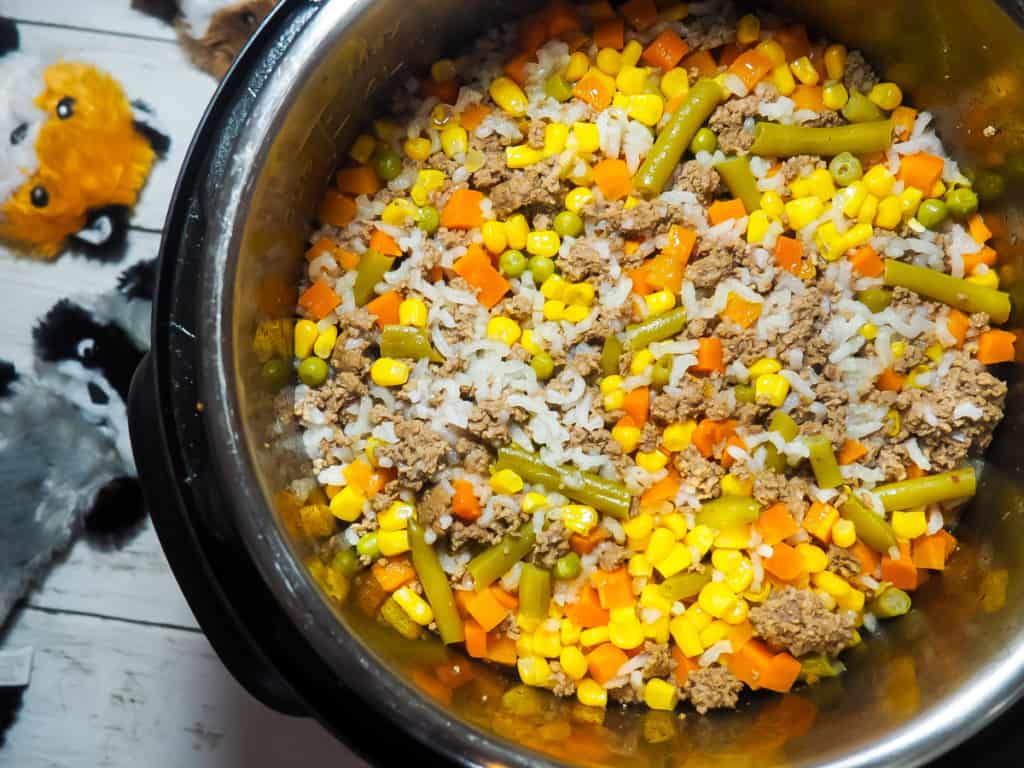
(122, 675)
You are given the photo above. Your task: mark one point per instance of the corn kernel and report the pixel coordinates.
(582, 294)
(888, 96)
(399, 211)
(646, 108)
(910, 199)
(714, 632)
(879, 180)
(631, 80)
(660, 545)
(802, 211)
(890, 212)
(834, 95)
(614, 401)
(934, 353)
(986, 279)
(659, 302)
(385, 130)
(591, 694)
(740, 579)
(626, 634)
(835, 61)
(678, 559)
(393, 542)
(852, 600)
(815, 559)
(503, 329)
(522, 156)
(610, 383)
(494, 236)
(675, 83)
(508, 96)
(736, 537)
(748, 29)
(738, 613)
(546, 643)
(506, 481)
(454, 140)
(716, 599)
(856, 194)
(577, 198)
(660, 695)
(828, 581)
(573, 663)
(641, 361)
(686, 636)
(764, 365)
(771, 389)
(576, 313)
(442, 70)
(734, 486)
(579, 518)
(868, 209)
(594, 636)
(639, 527)
(869, 331)
(415, 607)
(772, 51)
(579, 63)
(805, 71)
(516, 231)
(569, 633)
(554, 309)
(782, 79)
(898, 348)
(528, 343)
(909, 524)
(639, 566)
(772, 204)
(651, 596)
(347, 504)
(609, 61)
(677, 437)
(757, 227)
(844, 533)
(396, 517)
(325, 340)
(413, 312)
(533, 670)
(588, 137)
(701, 538)
(675, 522)
(555, 137)
(362, 148)
(388, 372)
(726, 560)
(652, 461)
(305, 334)
(417, 149)
(543, 243)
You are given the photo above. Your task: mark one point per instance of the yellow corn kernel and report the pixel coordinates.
(737, 537)
(393, 542)
(639, 566)
(627, 634)
(415, 607)
(641, 361)
(890, 212)
(660, 695)
(858, 235)
(830, 242)
(579, 518)
(652, 461)
(852, 600)
(305, 335)
(610, 383)
(577, 198)
(701, 538)
(568, 633)
(417, 149)
(686, 635)
(814, 557)
(888, 96)
(546, 643)
(898, 348)
(828, 581)
(454, 140)
(910, 523)
(534, 670)
(582, 294)
(594, 636)
(934, 353)
(651, 596)
(772, 51)
(675, 83)
(844, 534)
(646, 108)
(413, 312)
(726, 560)
(430, 179)
(660, 545)
(396, 517)
(493, 233)
(715, 632)
(534, 501)
(573, 663)
(805, 71)
(738, 613)
(868, 209)
(802, 211)
(524, 643)
(555, 137)
(741, 575)
(591, 694)
(734, 486)
(678, 559)
(614, 401)
(522, 156)
(639, 527)
(716, 599)
(660, 302)
(442, 70)
(869, 331)
(697, 616)
(910, 199)
(677, 437)
(576, 313)
(834, 95)
(757, 227)
(554, 287)
(986, 279)
(543, 243)
(506, 481)
(508, 96)
(631, 53)
(347, 504)
(503, 329)
(772, 204)
(782, 79)
(771, 389)
(579, 63)
(388, 372)
(631, 80)
(748, 29)
(516, 231)
(675, 522)
(819, 184)
(609, 61)
(554, 309)
(588, 137)
(764, 365)
(528, 342)
(835, 61)
(325, 340)
(856, 194)
(362, 148)
(879, 180)
(620, 100)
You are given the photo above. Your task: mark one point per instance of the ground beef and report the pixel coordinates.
(535, 134)
(337, 394)
(434, 503)
(739, 343)
(712, 687)
(702, 181)
(454, 238)
(712, 264)
(585, 361)
(495, 169)
(668, 408)
(700, 476)
(518, 306)
(843, 562)
(798, 621)
(624, 694)
(610, 555)
(441, 162)
(507, 517)
(799, 166)
(805, 318)
(562, 684)
(645, 219)
(607, 321)
(418, 454)
(661, 664)
(488, 421)
(582, 262)
(771, 487)
(354, 338)
(539, 185)
(727, 123)
(552, 543)
(858, 75)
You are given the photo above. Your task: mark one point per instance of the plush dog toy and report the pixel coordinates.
(77, 155)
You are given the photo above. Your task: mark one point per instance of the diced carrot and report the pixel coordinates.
(666, 50)
(900, 573)
(921, 170)
(462, 598)
(851, 450)
(393, 572)
(641, 14)
(382, 242)
(612, 178)
(594, 90)
(702, 61)
(357, 474)
(321, 246)
(867, 556)
(957, 324)
(751, 67)
(640, 279)
(510, 601)
(723, 210)
(818, 520)
(663, 490)
(731, 441)
(636, 404)
(680, 243)
(709, 356)
(361, 180)
(995, 346)
(465, 504)
(986, 256)
(890, 381)
(486, 609)
(475, 268)
(501, 650)
(604, 662)
(615, 589)
(433, 687)
(476, 639)
(808, 97)
(445, 91)
(581, 545)
(337, 209)
(785, 563)
(706, 436)
(587, 612)
(903, 119)
(932, 551)
(610, 33)
(348, 260)
(740, 634)
(673, 103)
(473, 115)
(793, 41)
(462, 211)
(454, 674)
(515, 68)
(782, 673)
(866, 261)
(742, 312)
(979, 229)
(533, 32)
(385, 307)
(789, 252)
(776, 524)
(319, 299)
(684, 665)
(560, 18)
(749, 663)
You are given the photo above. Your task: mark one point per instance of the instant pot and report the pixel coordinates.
(212, 459)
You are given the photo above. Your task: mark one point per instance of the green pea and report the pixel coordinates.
(428, 219)
(704, 140)
(346, 561)
(543, 365)
(568, 566)
(568, 224)
(313, 371)
(932, 213)
(875, 299)
(541, 267)
(662, 371)
(744, 393)
(367, 546)
(556, 87)
(962, 202)
(989, 185)
(845, 169)
(387, 163)
(512, 263)
(276, 373)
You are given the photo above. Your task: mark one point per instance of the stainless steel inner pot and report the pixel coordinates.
(920, 686)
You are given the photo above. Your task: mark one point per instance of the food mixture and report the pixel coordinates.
(644, 351)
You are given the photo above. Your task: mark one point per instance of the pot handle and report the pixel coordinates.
(192, 552)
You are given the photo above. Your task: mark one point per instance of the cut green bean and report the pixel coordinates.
(435, 586)
(818, 666)
(371, 270)
(556, 87)
(534, 592)
(606, 496)
(823, 461)
(929, 489)
(728, 512)
(675, 137)
(744, 393)
(568, 566)
(392, 613)
(773, 460)
(736, 173)
(611, 353)
(872, 529)
(656, 329)
(892, 602)
(495, 561)
(662, 372)
(782, 423)
(860, 109)
(684, 585)
(775, 140)
(875, 299)
(407, 341)
(954, 291)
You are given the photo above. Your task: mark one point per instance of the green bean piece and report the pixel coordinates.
(872, 529)
(662, 371)
(954, 291)
(785, 425)
(845, 169)
(962, 202)
(568, 224)
(541, 267)
(313, 371)
(387, 163)
(875, 299)
(776, 140)
(407, 341)
(774, 460)
(675, 137)
(512, 263)
(611, 353)
(932, 213)
(728, 512)
(391, 612)
(823, 461)
(860, 109)
(657, 328)
(367, 546)
(929, 489)
(744, 393)
(568, 566)
(606, 496)
(495, 561)
(435, 585)
(428, 219)
(276, 373)
(346, 562)
(704, 140)
(736, 173)
(556, 87)
(892, 602)
(684, 585)
(543, 365)
(372, 267)
(817, 666)
(534, 591)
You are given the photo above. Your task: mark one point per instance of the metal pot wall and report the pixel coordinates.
(211, 461)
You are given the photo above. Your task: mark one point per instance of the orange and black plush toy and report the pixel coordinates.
(78, 153)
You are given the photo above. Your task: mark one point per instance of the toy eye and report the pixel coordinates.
(65, 107)
(40, 197)
(249, 19)
(18, 134)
